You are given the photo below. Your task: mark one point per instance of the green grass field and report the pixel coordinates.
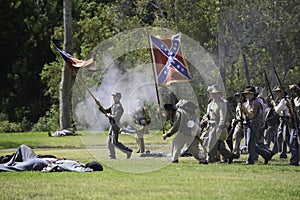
(185, 180)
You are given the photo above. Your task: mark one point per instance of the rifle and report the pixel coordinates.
(230, 133)
(268, 84)
(290, 105)
(240, 98)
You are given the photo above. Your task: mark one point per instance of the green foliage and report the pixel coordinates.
(257, 35)
(51, 75)
(9, 127)
(27, 26)
(49, 122)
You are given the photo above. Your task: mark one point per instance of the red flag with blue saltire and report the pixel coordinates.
(167, 57)
(73, 63)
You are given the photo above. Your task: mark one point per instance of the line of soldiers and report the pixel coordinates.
(278, 124)
(258, 121)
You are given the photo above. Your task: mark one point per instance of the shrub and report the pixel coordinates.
(10, 127)
(49, 122)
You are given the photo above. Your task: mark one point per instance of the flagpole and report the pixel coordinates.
(85, 86)
(155, 83)
(81, 81)
(155, 78)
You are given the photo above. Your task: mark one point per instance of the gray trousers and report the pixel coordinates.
(283, 137)
(113, 141)
(237, 137)
(192, 143)
(214, 144)
(140, 131)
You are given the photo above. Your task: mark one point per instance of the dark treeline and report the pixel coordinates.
(250, 36)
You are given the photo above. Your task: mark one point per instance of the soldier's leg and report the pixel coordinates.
(283, 137)
(250, 144)
(195, 151)
(211, 145)
(228, 156)
(23, 153)
(237, 138)
(140, 141)
(111, 147)
(294, 145)
(120, 145)
(177, 144)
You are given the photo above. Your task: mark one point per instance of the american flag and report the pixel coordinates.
(73, 63)
(168, 60)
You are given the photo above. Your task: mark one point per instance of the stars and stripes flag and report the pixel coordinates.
(168, 60)
(73, 63)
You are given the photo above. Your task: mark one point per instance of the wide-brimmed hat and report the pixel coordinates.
(237, 94)
(279, 89)
(117, 94)
(95, 166)
(215, 89)
(249, 90)
(209, 88)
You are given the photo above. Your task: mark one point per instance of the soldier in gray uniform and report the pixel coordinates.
(270, 133)
(183, 120)
(115, 113)
(282, 110)
(141, 121)
(238, 128)
(217, 129)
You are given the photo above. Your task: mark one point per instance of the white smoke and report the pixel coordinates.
(136, 86)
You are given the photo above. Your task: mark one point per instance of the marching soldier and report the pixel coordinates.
(252, 109)
(237, 127)
(115, 113)
(271, 127)
(217, 129)
(141, 120)
(282, 110)
(295, 125)
(184, 122)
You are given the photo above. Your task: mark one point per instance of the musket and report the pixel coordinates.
(291, 105)
(230, 133)
(240, 98)
(101, 108)
(268, 84)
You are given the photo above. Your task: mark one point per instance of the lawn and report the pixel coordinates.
(156, 179)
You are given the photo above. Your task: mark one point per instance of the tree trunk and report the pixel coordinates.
(246, 69)
(66, 81)
(221, 45)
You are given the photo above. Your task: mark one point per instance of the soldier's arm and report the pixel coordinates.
(175, 126)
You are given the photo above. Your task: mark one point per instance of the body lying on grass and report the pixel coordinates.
(26, 160)
(62, 133)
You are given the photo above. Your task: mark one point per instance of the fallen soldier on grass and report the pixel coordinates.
(62, 133)
(26, 160)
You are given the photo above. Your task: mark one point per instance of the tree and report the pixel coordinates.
(26, 27)
(67, 76)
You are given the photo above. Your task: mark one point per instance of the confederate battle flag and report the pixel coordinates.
(73, 63)
(169, 64)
